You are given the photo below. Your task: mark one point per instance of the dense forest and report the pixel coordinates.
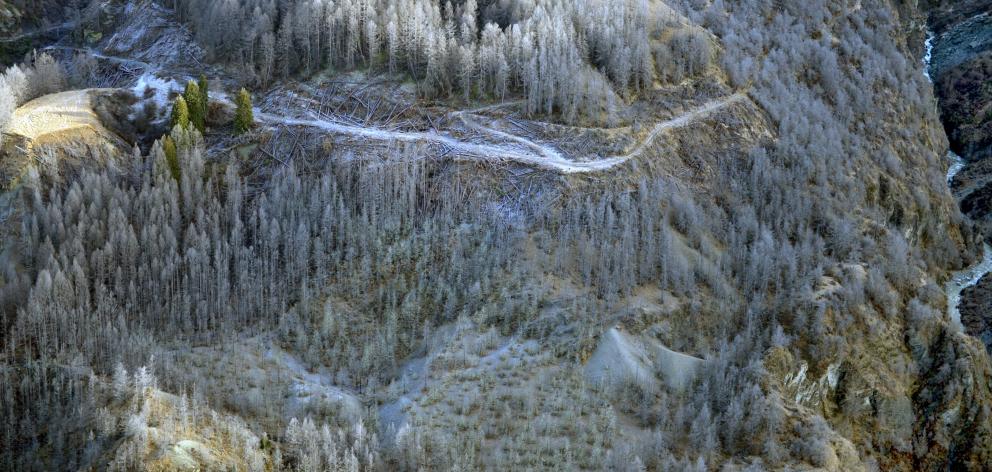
(577, 58)
(818, 245)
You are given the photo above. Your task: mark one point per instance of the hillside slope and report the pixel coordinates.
(673, 235)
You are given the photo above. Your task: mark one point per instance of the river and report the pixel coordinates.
(969, 276)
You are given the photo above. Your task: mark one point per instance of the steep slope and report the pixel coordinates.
(378, 279)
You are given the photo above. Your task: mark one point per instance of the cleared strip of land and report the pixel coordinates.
(526, 151)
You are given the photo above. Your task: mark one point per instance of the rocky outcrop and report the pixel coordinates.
(975, 315)
(945, 14)
(954, 431)
(966, 102)
(960, 67)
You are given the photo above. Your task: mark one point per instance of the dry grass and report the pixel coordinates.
(56, 113)
(203, 440)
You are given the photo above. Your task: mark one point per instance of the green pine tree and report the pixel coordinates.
(197, 109)
(180, 113)
(244, 118)
(204, 93)
(171, 156)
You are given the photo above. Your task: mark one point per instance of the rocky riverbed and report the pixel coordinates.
(961, 69)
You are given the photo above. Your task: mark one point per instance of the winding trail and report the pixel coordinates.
(40, 32)
(684, 120)
(131, 63)
(527, 152)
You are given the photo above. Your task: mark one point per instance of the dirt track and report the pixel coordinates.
(522, 150)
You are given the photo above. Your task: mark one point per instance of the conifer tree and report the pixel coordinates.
(171, 156)
(180, 113)
(204, 92)
(243, 116)
(197, 109)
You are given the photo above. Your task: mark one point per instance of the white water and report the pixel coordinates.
(957, 164)
(966, 278)
(970, 276)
